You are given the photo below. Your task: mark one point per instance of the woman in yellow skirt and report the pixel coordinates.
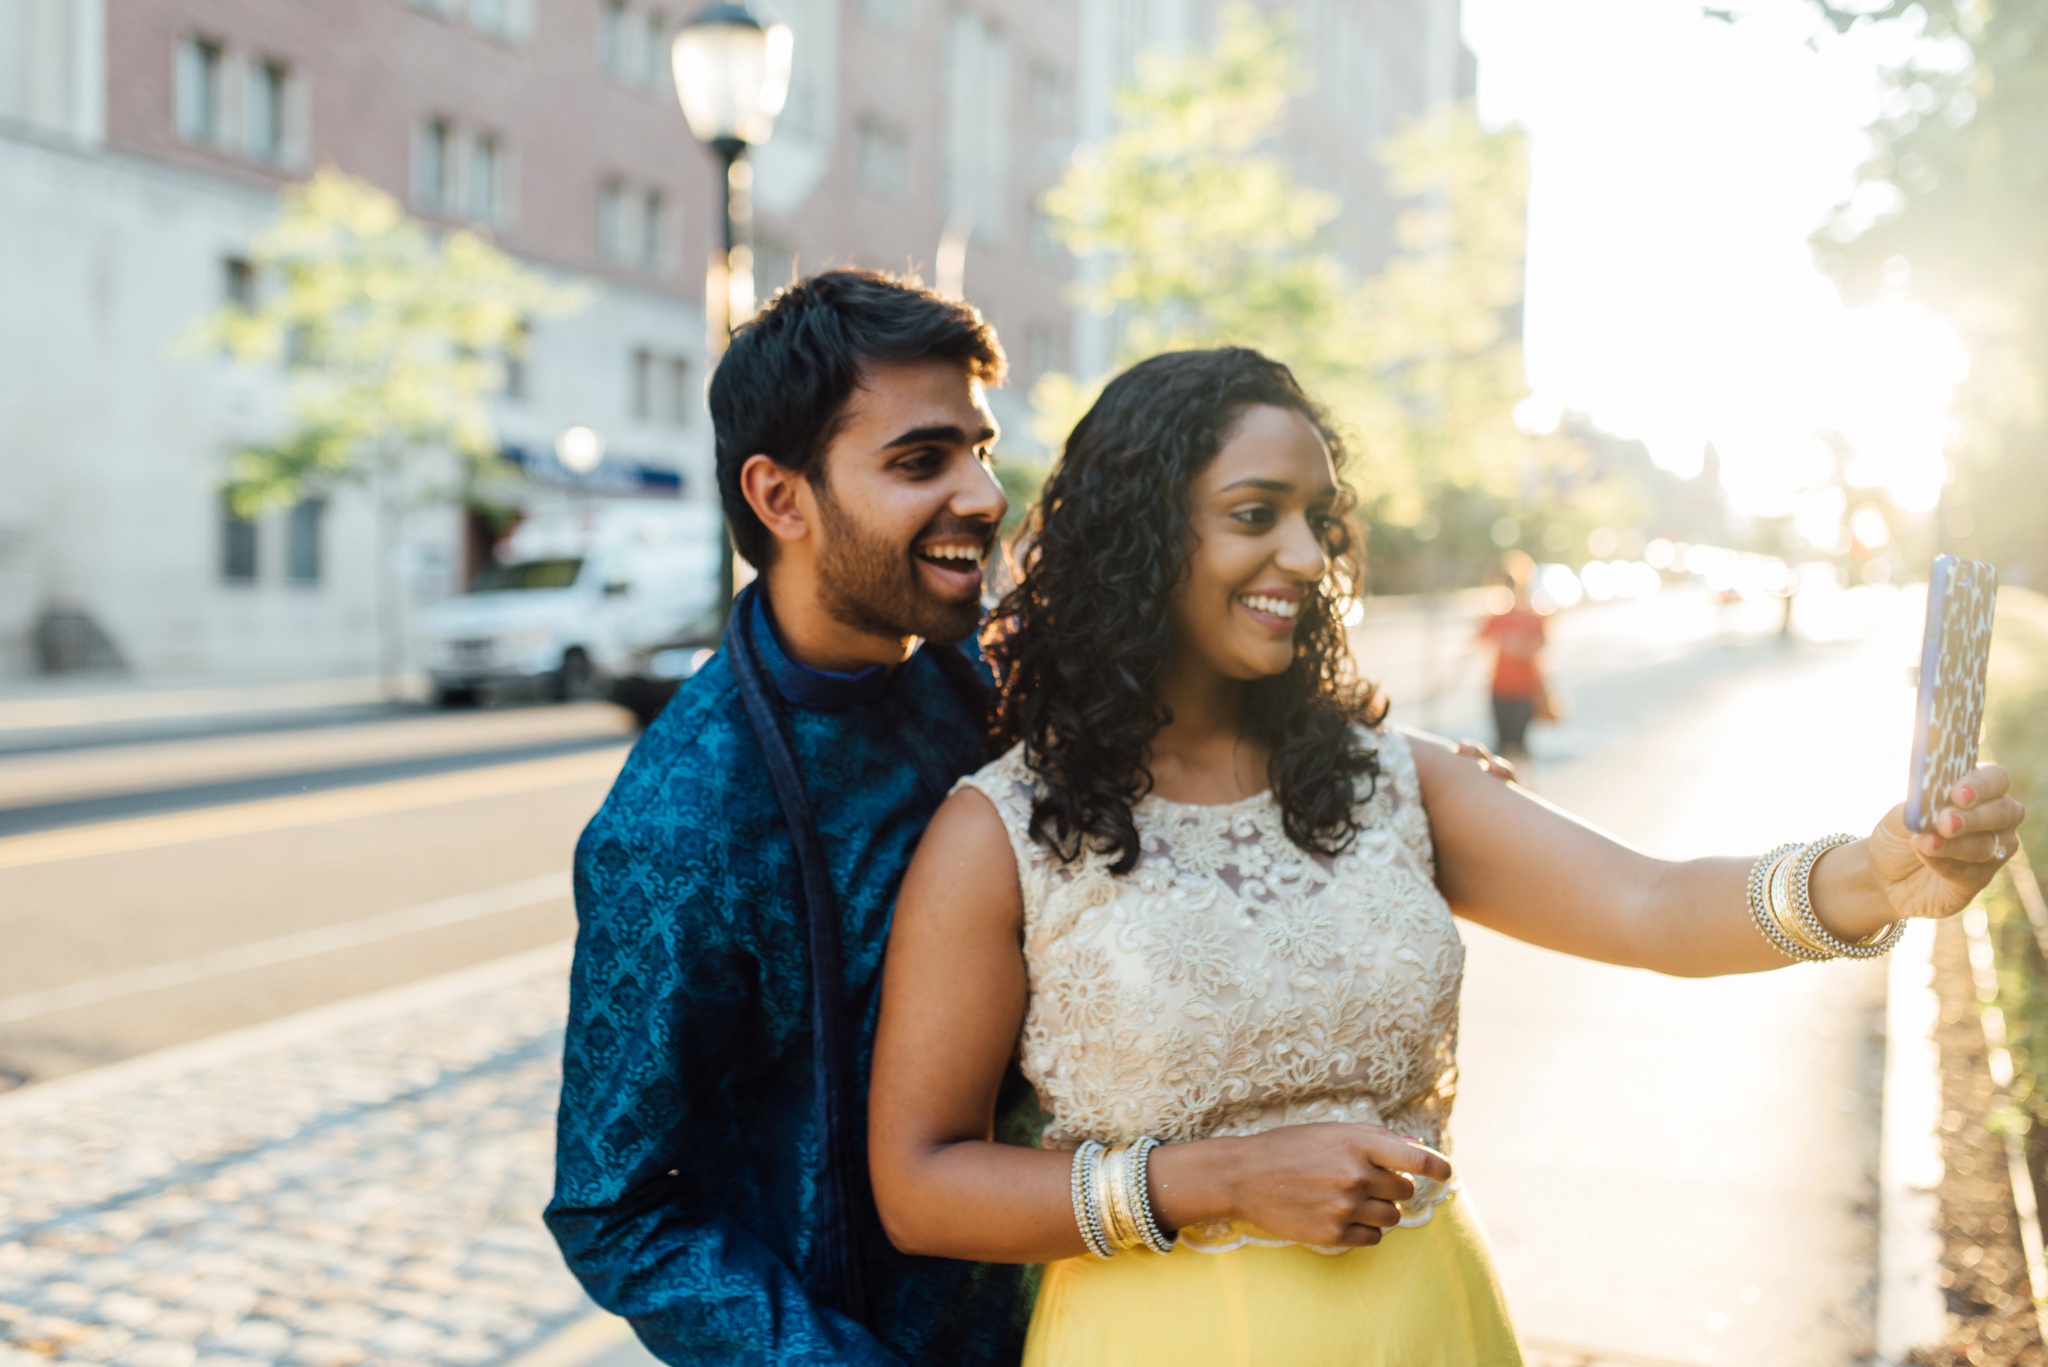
(1206, 902)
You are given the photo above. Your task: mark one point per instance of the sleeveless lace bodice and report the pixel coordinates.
(1231, 983)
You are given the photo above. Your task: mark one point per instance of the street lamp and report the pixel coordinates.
(732, 75)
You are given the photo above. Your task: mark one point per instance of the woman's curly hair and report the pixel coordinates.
(1081, 643)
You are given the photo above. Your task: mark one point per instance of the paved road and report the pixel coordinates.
(318, 846)
(1684, 1172)
(161, 892)
(152, 896)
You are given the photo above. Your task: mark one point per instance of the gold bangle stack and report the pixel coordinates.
(1781, 905)
(1113, 1199)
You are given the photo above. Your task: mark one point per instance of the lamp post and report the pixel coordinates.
(732, 76)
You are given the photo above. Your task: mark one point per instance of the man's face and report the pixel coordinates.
(908, 509)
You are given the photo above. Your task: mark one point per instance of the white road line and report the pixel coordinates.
(308, 809)
(448, 911)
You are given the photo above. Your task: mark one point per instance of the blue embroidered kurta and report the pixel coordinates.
(687, 1146)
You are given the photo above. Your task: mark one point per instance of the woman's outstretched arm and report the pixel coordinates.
(1511, 861)
(953, 998)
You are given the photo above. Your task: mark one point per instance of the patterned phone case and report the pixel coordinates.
(1954, 656)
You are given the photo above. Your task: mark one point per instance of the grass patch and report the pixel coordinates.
(2016, 735)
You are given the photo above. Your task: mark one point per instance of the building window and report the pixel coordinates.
(433, 166)
(977, 125)
(643, 384)
(237, 546)
(1045, 237)
(632, 226)
(679, 405)
(238, 282)
(200, 63)
(302, 541)
(518, 377)
(888, 14)
(265, 111)
(661, 388)
(1048, 95)
(881, 157)
(614, 222)
(654, 52)
(632, 45)
(486, 179)
(652, 238)
(510, 20)
(614, 38)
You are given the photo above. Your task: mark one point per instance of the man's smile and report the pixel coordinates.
(953, 562)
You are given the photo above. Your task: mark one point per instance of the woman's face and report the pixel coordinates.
(1261, 515)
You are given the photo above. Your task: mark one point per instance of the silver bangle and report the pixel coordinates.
(1760, 904)
(1802, 907)
(1139, 1169)
(1087, 1213)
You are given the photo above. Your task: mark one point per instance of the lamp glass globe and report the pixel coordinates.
(732, 75)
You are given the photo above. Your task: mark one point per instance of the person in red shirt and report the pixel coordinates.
(1517, 637)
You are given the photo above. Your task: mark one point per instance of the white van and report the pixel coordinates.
(575, 599)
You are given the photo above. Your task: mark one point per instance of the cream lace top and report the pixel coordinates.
(1231, 983)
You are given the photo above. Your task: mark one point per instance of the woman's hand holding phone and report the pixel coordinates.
(1937, 872)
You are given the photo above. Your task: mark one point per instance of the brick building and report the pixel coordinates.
(143, 143)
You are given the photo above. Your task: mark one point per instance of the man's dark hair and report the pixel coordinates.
(784, 382)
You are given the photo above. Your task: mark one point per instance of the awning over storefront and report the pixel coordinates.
(614, 477)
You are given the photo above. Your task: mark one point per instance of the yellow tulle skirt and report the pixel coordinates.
(1422, 1297)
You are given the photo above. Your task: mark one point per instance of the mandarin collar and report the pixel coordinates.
(802, 686)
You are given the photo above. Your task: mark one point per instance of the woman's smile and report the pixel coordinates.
(1273, 608)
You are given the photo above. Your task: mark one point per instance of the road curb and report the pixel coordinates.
(1911, 1312)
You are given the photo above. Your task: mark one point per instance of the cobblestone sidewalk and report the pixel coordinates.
(359, 1186)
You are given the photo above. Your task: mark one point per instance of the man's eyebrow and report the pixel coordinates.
(944, 434)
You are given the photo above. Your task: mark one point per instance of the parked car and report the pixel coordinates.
(574, 602)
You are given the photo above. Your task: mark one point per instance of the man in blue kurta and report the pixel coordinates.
(852, 444)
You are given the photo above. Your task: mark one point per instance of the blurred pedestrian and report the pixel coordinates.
(1516, 633)
(734, 892)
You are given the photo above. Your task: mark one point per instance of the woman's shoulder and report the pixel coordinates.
(1007, 782)
(1389, 746)
(1010, 767)
(1396, 790)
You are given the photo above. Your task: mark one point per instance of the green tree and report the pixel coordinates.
(1957, 189)
(390, 339)
(1198, 234)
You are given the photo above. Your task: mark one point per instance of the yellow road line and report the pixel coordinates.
(284, 949)
(308, 809)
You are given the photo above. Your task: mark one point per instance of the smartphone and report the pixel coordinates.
(1954, 656)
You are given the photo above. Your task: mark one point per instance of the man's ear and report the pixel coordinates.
(771, 491)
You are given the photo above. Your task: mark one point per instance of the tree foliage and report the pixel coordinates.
(390, 339)
(1957, 190)
(1194, 231)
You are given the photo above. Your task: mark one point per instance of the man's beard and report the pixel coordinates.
(872, 585)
